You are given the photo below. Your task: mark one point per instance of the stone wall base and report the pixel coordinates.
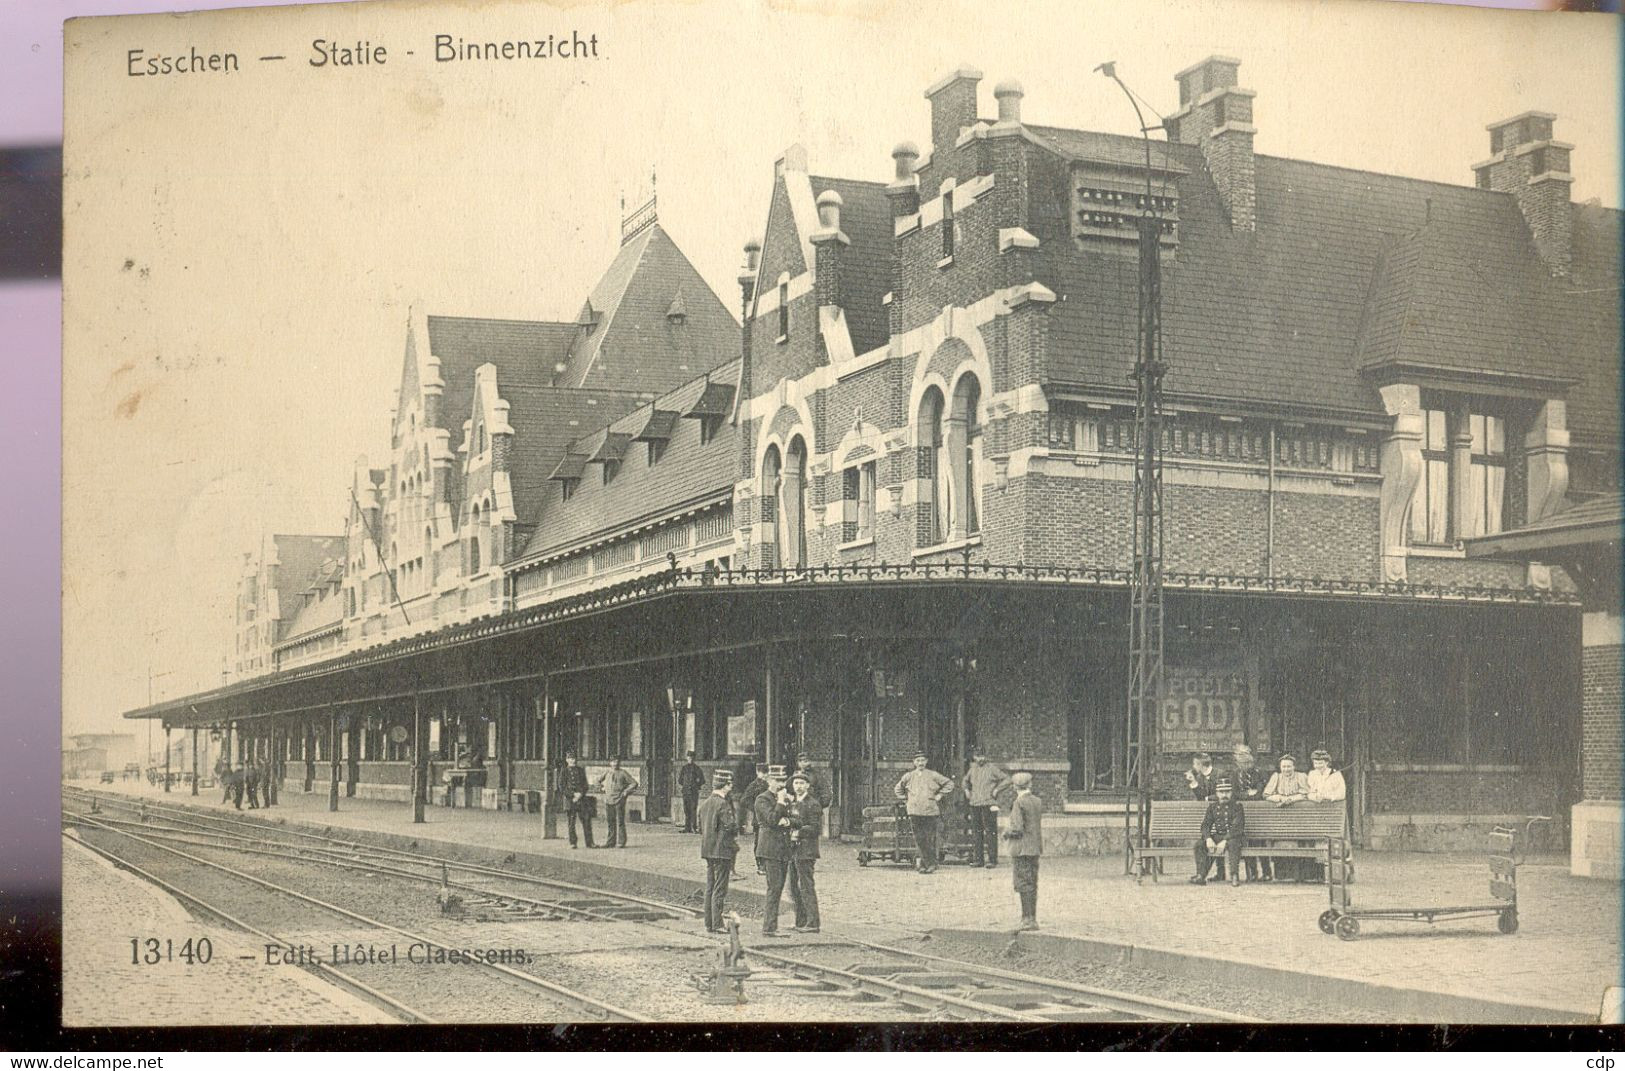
(1453, 832)
(1595, 840)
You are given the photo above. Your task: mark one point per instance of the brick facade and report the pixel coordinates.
(1601, 670)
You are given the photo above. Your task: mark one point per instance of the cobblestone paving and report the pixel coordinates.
(102, 908)
(1567, 951)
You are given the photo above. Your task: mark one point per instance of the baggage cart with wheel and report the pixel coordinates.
(1343, 919)
(889, 837)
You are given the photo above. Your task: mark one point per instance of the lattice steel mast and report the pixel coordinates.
(1145, 583)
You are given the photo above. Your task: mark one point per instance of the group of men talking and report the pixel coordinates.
(788, 818)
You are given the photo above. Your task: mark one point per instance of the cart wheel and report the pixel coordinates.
(1347, 927)
(1328, 921)
(863, 858)
(1508, 922)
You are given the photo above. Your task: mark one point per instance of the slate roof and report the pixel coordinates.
(544, 420)
(866, 220)
(300, 561)
(1346, 269)
(688, 470)
(635, 345)
(523, 351)
(314, 616)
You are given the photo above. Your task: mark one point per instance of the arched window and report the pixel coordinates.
(474, 541)
(772, 477)
(965, 440)
(931, 478)
(793, 505)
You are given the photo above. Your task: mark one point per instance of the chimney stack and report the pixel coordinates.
(747, 291)
(1528, 164)
(904, 190)
(829, 243)
(1218, 115)
(1009, 93)
(953, 108)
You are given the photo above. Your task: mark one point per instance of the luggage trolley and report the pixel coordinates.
(1343, 920)
(888, 837)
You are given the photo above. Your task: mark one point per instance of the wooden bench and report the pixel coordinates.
(1175, 825)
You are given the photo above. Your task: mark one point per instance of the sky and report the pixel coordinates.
(241, 252)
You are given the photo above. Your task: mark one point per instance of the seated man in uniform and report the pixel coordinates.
(1224, 831)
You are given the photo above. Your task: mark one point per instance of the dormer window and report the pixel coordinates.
(1461, 449)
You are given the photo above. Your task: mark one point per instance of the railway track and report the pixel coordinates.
(920, 983)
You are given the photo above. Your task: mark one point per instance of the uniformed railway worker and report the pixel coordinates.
(818, 782)
(1025, 835)
(251, 778)
(806, 819)
(577, 804)
(719, 830)
(1224, 831)
(690, 779)
(771, 812)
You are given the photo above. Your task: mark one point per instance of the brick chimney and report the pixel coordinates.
(1528, 164)
(1218, 115)
(747, 292)
(953, 108)
(829, 244)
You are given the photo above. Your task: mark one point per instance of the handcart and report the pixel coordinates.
(888, 835)
(1344, 920)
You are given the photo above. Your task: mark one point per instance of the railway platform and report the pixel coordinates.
(1558, 967)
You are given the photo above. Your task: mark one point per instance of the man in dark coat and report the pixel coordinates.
(690, 779)
(771, 812)
(820, 784)
(806, 819)
(1025, 835)
(754, 787)
(251, 777)
(719, 830)
(1200, 776)
(577, 804)
(1224, 831)
(1249, 782)
(239, 779)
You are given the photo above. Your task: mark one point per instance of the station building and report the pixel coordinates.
(889, 508)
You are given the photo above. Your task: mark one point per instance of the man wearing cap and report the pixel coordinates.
(616, 785)
(690, 779)
(771, 812)
(818, 786)
(573, 787)
(922, 791)
(983, 783)
(719, 830)
(1025, 832)
(806, 818)
(1248, 782)
(1224, 831)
